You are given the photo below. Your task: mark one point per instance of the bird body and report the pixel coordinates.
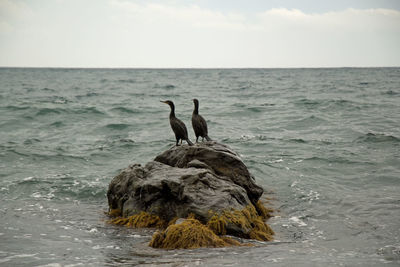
(177, 125)
(199, 123)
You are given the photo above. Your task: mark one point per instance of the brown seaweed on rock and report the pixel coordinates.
(248, 223)
(189, 234)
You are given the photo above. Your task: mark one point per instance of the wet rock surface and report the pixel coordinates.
(203, 180)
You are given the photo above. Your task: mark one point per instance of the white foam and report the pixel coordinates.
(276, 161)
(296, 220)
(51, 265)
(36, 195)
(6, 259)
(93, 230)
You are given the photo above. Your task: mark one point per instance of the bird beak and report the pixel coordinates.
(165, 102)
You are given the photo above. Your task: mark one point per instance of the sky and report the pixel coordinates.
(199, 33)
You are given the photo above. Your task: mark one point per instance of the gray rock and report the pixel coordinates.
(217, 157)
(185, 179)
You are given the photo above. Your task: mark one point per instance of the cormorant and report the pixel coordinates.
(198, 123)
(177, 125)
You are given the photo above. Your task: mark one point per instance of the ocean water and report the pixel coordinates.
(324, 144)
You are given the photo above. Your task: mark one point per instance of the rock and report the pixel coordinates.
(173, 192)
(201, 180)
(217, 157)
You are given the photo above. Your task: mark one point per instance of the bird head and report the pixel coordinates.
(168, 102)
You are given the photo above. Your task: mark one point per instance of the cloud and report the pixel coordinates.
(353, 18)
(12, 12)
(121, 33)
(345, 38)
(155, 13)
(276, 37)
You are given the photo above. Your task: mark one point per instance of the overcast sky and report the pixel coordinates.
(199, 33)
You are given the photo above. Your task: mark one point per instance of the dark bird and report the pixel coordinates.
(199, 124)
(177, 125)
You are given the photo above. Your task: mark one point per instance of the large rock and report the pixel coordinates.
(183, 180)
(219, 158)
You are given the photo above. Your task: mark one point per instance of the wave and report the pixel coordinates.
(124, 110)
(239, 105)
(117, 126)
(89, 110)
(165, 86)
(90, 94)
(331, 104)
(31, 141)
(16, 108)
(47, 111)
(306, 101)
(270, 139)
(303, 141)
(377, 138)
(391, 93)
(255, 109)
(46, 89)
(57, 124)
(298, 140)
(337, 160)
(60, 100)
(307, 122)
(57, 187)
(364, 83)
(52, 111)
(126, 81)
(244, 88)
(268, 104)
(49, 157)
(113, 145)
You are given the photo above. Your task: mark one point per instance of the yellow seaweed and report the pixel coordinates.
(141, 220)
(249, 220)
(189, 234)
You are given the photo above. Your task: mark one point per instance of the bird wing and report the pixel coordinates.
(203, 124)
(179, 128)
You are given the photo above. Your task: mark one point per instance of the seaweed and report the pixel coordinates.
(189, 234)
(249, 221)
(141, 220)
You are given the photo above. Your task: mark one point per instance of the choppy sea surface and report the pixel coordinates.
(324, 144)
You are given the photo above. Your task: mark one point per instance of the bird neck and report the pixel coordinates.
(172, 113)
(196, 108)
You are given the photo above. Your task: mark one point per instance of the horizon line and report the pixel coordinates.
(198, 68)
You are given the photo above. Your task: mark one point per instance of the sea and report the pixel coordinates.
(324, 143)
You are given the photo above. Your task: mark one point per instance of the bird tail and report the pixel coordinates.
(207, 138)
(189, 142)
